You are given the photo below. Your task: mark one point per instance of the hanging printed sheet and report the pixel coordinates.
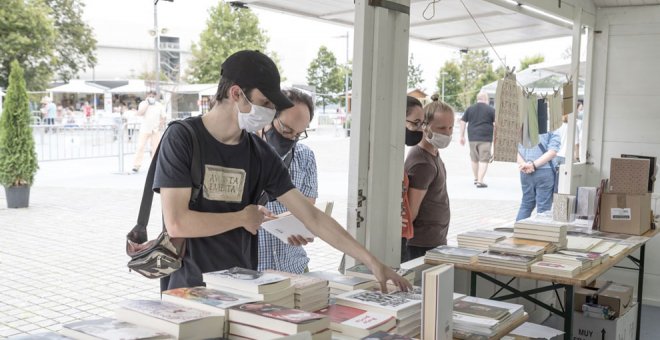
(567, 95)
(507, 120)
(554, 106)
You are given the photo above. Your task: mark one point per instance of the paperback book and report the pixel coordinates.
(388, 304)
(356, 322)
(247, 280)
(271, 317)
(109, 329)
(206, 299)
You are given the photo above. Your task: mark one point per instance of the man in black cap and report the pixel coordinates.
(238, 166)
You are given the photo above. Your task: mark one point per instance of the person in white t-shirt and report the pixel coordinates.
(153, 114)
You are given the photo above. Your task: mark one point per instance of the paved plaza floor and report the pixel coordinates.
(63, 259)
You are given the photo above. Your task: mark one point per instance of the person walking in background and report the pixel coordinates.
(427, 195)
(283, 133)
(480, 121)
(153, 115)
(537, 174)
(414, 135)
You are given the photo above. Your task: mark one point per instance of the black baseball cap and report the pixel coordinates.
(254, 69)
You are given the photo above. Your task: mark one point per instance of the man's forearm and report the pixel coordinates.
(462, 129)
(199, 224)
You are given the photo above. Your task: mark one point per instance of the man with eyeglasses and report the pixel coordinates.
(283, 134)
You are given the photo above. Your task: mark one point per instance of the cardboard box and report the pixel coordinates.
(607, 293)
(625, 213)
(629, 175)
(586, 328)
(653, 168)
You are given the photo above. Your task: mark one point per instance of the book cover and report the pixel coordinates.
(267, 310)
(285, 226)
(111, 329)
(301, 282)
(246, 279)
(518, 245)
(489, 235)
(465, 307)
(354, 317)
(390, 304)
(40, 336)
(207, 296)
(497, 256)
(166, 311)
(556, 266)
(340, 279)
(454, 251)
(386, 336)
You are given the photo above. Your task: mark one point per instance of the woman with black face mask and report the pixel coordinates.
(283, 134)
(414, 135)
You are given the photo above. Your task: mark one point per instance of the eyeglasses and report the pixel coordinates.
(416, 123)
(290, 133)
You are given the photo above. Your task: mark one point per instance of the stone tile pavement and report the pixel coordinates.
(63, 258)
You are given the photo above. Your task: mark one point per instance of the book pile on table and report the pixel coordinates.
(266, 287)
(356, 323)
(453, 254)
(387, 336)
(485, 318)
(206, 299)
(340, 284)
(556, 269)
(541, 230)
(479, 239)
(176, 320)
(507, 261)
(407, 312)
(310, 294)
(267, 321)
(364, 272)
(584, 244)
(519, 246)
(584, 260)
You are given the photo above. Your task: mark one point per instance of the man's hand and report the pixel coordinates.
(462, 141)
(298, 240)
(384, 273)
(253, 217)
(268, 215)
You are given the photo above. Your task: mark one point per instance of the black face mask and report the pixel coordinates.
(281, 144)
(413, 137)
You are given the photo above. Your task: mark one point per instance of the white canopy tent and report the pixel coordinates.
(133, 86)
(80, 86)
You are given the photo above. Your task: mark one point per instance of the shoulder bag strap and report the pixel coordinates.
(139, 233)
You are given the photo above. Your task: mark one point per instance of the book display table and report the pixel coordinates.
(566, 310)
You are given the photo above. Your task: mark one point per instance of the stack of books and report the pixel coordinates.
(584, 260)
(541, 230)
(407, 312)
(310, 293)
(106, 329)
(356, 323)
(507, 261)
(178, 321)
(340, 284)
(479, 239)
(556, 269)
(519, 246)
(453, 254)
(267, 321)
(584, 244)
(484, 318)
(364, 272)
(266, 287)
(386, 336)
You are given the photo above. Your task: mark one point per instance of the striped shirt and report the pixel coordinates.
(273, 253)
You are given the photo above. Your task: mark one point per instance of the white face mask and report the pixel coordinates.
(256, 119)
(439, 140)
(151, 100)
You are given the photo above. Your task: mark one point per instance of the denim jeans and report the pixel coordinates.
(537, 192)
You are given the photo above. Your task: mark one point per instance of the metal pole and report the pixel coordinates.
(443, 85)
(157, 47)
(120, 138)
(346, 76)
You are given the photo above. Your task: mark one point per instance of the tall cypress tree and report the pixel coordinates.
(18, 158)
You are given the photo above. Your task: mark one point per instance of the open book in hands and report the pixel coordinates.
(286, 225)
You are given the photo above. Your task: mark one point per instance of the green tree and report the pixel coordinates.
(414, 73)
(474, 64)
(326, 76)
(18, 158)
(75, 42)
(453, 85)
(531, 60)
(227, 31)
(27, 35)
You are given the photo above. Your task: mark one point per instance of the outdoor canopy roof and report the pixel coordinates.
(79, 86)
(445, 22)
(541, 79)
(133, 86)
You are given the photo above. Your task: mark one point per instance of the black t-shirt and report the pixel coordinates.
(233, 176)
(480, 118)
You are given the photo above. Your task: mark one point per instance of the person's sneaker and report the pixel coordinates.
(481, 185)
(475, 181)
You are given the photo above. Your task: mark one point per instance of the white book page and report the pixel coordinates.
(286, 226)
